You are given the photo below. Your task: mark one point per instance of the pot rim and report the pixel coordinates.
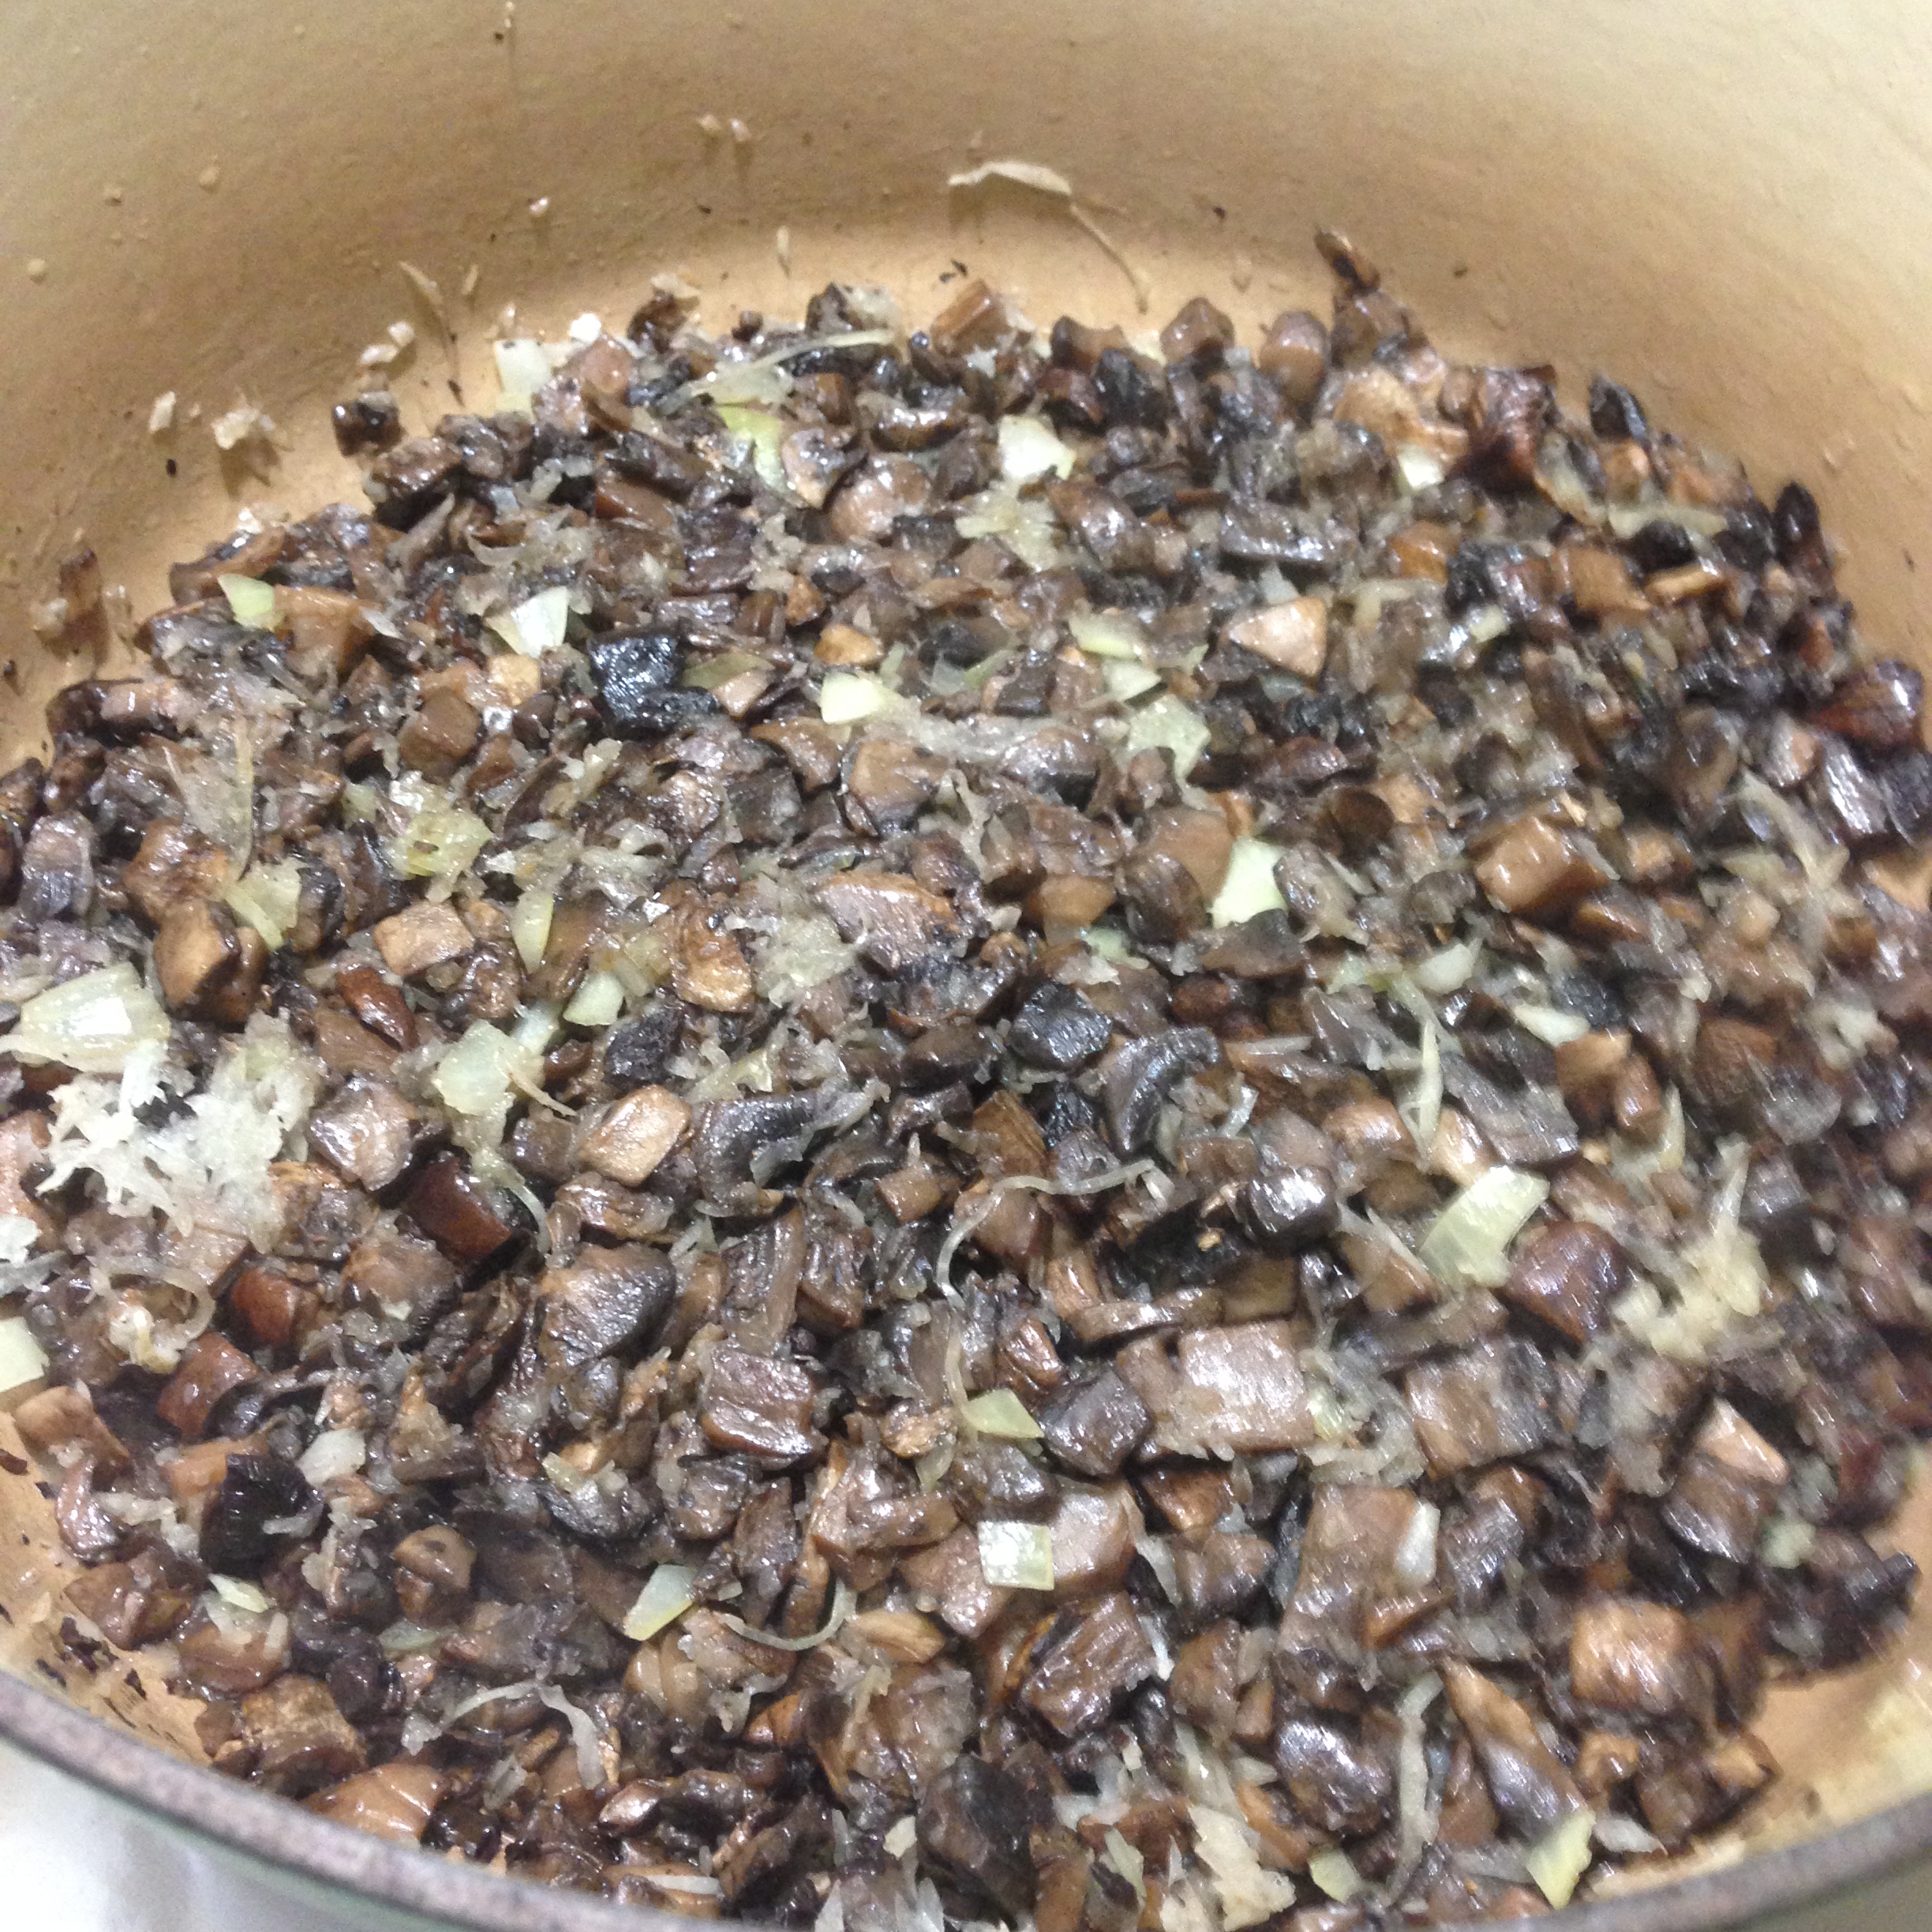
(277, 1832)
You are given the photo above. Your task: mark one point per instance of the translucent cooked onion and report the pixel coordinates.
(847, 697)
(267, 898)
(1449, 970)
(1126, 1860)
(1412, 1778)
(481, 1071)
(91, 1023)
(762, 379)
(1000, 1412)
(439, 840)
(252, 601)
(1016, 1556)
(1247, 1892)
(1028, 449)
(238, 1593)
(523, 367)
(1108, 633)
(597, 1002)
(764, 432)
(1550, 1024)
(1334, 1872)
(1167, 723)
(844, 1601)
(1469, 1245)
(530, 925)
(1249, 888)
(1126, 680)
(665, 1597)
(1561, 1856)
(537, 624)
(1024, 525)
(22, 1359)
(335, 1452)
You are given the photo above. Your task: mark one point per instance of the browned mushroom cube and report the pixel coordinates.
(439, 736)
(636, 1134)
(211, 1367)
(426, 935)
(1534, 869)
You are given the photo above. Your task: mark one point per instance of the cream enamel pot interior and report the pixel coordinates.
(1729, 208)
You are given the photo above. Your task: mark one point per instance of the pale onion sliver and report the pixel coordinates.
(1000, 1412)
(22, 1360)
(536, 625)
(1249, 888)
(1016, 1556)
(665, 1597)
(1469, 1245)
(91, 1023)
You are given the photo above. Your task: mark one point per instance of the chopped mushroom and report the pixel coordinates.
(983, 1123)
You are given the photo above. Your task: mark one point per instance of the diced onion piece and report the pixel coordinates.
(240, 1594)
(846, 697)
(585, 1734)
(529, 926)
(764, 432)
(1426, 1102)
(1626, 1838)
(1449, 969)
(1166, 722)
(1028, 449)
(404, 1637)
(1560, 1857)
(1415, 1555)
(901, 1838)
(1107, 634)
(999, 1412)
(267, 897)
(1126, 1859)
(1016, 1556)
(597, 1002)
(1332, 1870)
(477, 1073)
(1786, 1542)
(535, 1028)
(1626, 519)
(1248, 1892)
(1421, 468)
(335, 1452)
(665, 1597)
(536, 625)
(712, 673)
(1412, 1777)
(1110, 944)
(844, 1601)
(440, 841)
(1469, 1245)
(1550, 1024)
(252, 601)
(522, 368)
(1126, 681)
(91, 1023)
(22, 1360)
(1250, 887)
(1025, 526)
